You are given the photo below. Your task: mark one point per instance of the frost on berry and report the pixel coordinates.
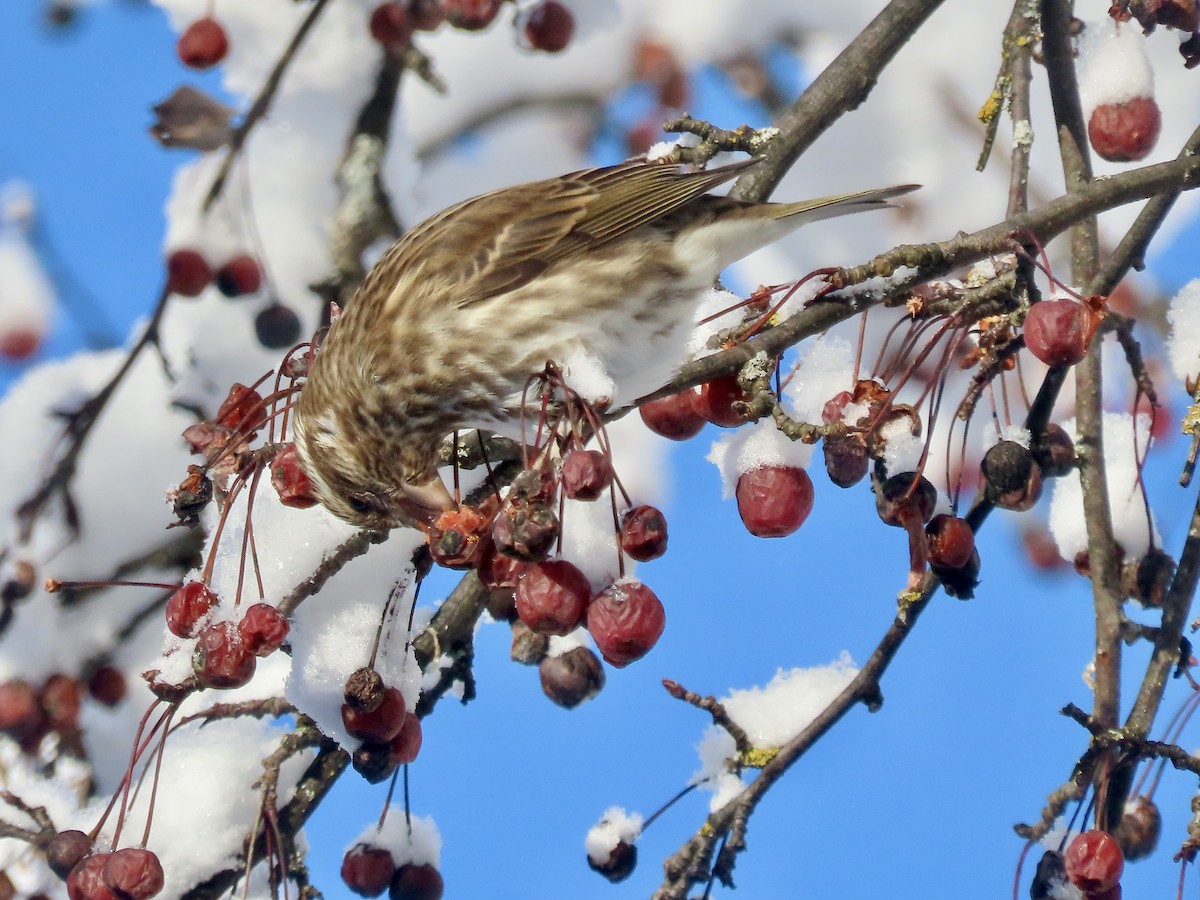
(716, 399)
(240, 276)
(673, 416)
(289, 479)
(549, 27)
(552, 596)
(643, 533)
(263, 629)
(417, 881)
(586, 474)
(571, 678)
(774, 501)
(367, 870)
(203, 44)
(188, 608)
(188, 273)
(1013, 479)
(134, 873)
(1059, 332)
(1125, 132)
(459, 538)
(1093, 861)
(221, 659)
(379, 725)
(625, 620)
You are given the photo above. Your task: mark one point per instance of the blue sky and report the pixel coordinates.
(916, 800)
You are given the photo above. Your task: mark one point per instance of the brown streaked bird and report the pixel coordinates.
(460, 312)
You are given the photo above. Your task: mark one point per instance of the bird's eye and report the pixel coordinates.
(363, 503)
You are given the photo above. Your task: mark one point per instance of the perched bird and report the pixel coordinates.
(462, 310)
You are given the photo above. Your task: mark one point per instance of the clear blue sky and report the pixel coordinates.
(916, 800)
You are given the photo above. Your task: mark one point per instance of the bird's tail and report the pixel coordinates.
(839, 204)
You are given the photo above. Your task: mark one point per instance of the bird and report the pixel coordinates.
(448, 327)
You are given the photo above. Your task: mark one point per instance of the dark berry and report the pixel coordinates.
(107, 685)
(66, 850)
(367, 870)
(417, 881)
(1139, 829)
(1013, 479)
(390, 25)
(951, 541)
(572, 677)
(621, 862)
(525, 530)
(406, 745)
(774, 501)
(471, 15)
(846, 458)
(426, 15)
(373, 762)
(277, 327)
(549, 27)
(644, 533)
(240, 276)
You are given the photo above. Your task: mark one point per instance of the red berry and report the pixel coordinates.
(19, 343)
(277, 327)
(367, 870)
(61, 699)
(289, 479)
(242, 410)
(1058, 332)
(263, 629)
(66, 850)
(1125, 132)
(135, 874)
(203, 44)
(221, 658)
(644, 533)
(86, 881)
(625, 620)
(716, 398)
(774, 501)
(549, 27)
(390, 25)
(417, 882)
(1094, 861)
(951, 541)
(379, 725)
(188, 273)
(586, 474)
(552, 597)
(426, 15)
(241, 275)
(20, 712)
(673, 416)
(471, 15)
(188, 607)
(459, 538)
(107, 685)
(835, 408)
(406, 745)
(499, 570)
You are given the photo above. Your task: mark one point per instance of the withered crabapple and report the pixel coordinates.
(86, 880)
(1126, 131)
(189, 607)
(242, 410)
(571, 678)
(1012, 478)
(621, 862)
(525, 530)
(133, 873)
(586, 474)
(774, 501)
(289, 479)
(221, 658)
(717, 398)
(1093, 861)
(625, 620)
(263, 629)
(552, 596)
(643, 533)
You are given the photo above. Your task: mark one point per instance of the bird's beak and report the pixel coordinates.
(422, 503)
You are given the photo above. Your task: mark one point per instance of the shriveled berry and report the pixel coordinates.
(552, 596)
(277, 327)
(1125, 132)
(203, 44)
(644, 533)
(716, 399)
(1013, 479)
(673, 416)
(906, 495)
(221, 659)
(774, 501)
(846, 458)
(417, 881)
(406, 745)
(471, 15)
(242, 410)
(498, 570)
(188, 607)
(107, 685)
(525, 530)
(240, 276)
(951, 541)
(625, 620)
(373, 762)
(66, 850)
(1093, 861)
(834, 409)
(459, 538)
(381, 724)
(390, 25)
(367, 870)
(263, 629)
(621, 862)
(549, 27)
(1139, 829)
(289, 479)
(1148, 578)
(1054, 452)
(86, 880)
(1059, 332)
(572, 677)
(134, 873)
(528, 647)
(188, 273)
(586, 474)
(364, 689)
(959, 582)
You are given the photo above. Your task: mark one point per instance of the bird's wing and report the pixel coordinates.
(499, 241)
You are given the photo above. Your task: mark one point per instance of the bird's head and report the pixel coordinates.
(365, 468)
